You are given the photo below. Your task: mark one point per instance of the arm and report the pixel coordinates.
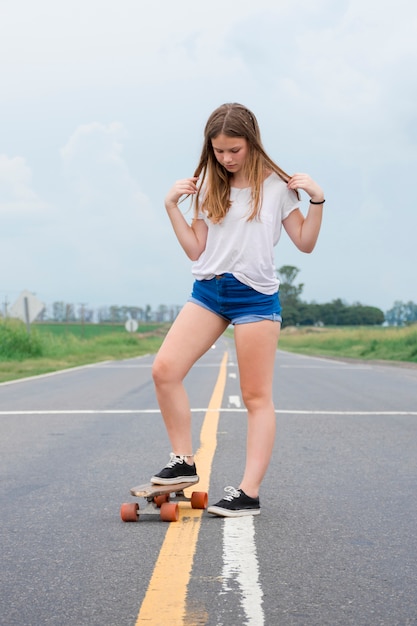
(192, 238)
(304, 231)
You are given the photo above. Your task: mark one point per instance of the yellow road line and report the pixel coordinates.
(165, 599)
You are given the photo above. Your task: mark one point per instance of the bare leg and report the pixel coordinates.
(191, 335)
(256, 346)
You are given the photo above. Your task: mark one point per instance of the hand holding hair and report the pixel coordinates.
(183, 187)
(307, 184)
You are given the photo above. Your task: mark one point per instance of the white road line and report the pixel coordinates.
(68, 370)
(240, 565)
(310, 357)
(325, 367)
(128, 366)
(196, 410)
(234, 401)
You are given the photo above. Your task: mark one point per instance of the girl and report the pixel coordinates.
(241, 199)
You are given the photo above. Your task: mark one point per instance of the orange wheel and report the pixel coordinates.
(199, 500)
(159, 500)
(170, 512)
(129, 512)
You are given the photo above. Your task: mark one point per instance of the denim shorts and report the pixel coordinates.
(235, 302)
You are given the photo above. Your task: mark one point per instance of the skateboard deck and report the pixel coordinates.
(161, 500)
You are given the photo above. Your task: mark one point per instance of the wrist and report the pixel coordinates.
(314, 200)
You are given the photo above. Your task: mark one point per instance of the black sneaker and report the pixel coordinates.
(235, 504)
(176, 471)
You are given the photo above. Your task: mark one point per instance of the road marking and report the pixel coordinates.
(241, 566)
(234, 401)
(165, 600)
(196, 410)
(68, 370)
(325, 367)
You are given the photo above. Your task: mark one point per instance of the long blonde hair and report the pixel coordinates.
(232, 120)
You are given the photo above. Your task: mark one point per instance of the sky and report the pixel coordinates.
(103, 106)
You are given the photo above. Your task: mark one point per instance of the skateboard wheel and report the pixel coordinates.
(129, 512)
(170, 512)
(199, 500)
(159, 500)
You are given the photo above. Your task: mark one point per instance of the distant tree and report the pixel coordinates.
(339, 313)
(116, 314)
(103, 314)
(136, 313)
(63, 312)
(287, 290)
(148, 313)
(401, 313)
(70, 313)
(85, 314)
(333, 313)
(289, 294)
(58, 311)
(362, 315)
(162, 313)
(309, 314)
(174, 312)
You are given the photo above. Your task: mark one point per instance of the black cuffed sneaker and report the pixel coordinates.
(235, 504)
(176, 471)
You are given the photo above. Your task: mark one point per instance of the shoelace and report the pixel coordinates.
(231, 493)
(174, 460)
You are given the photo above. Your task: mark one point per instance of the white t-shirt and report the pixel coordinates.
(245, 249)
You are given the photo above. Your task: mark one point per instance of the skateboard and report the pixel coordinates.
(161, 500)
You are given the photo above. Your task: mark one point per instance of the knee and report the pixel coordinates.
(163, 371)
(255, 398)
(159, 371)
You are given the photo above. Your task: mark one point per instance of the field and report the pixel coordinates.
(90, 331)
(51, 347)
(371, 343)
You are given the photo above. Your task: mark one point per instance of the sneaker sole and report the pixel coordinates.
(173, 481)
(216, 510)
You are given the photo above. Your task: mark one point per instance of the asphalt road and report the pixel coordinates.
(335, 544)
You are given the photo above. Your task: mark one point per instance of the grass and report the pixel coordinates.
(88, 331)
(51, 347)
(373, 343)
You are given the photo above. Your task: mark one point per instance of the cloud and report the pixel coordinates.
(332, 84)
(17, 196)
(344, 61)
(111, 228)
(94, 164)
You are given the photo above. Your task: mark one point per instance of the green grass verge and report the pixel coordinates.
(89, 331)
(373, 343)
(52, 347)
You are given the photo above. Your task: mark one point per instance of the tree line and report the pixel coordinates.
(296, 312)
(65, 312)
